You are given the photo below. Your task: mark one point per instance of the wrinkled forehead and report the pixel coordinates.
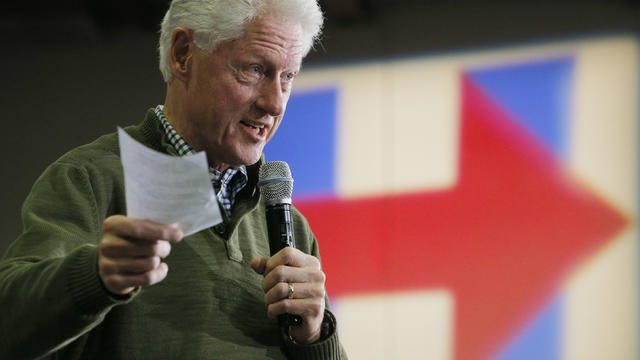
(277, 37)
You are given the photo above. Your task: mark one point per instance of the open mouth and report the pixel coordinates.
(258, 128)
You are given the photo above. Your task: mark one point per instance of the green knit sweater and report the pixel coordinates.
(210, 306)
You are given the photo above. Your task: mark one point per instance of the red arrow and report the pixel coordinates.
(501, 240)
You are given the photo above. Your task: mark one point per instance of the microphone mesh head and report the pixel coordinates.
(275, 182)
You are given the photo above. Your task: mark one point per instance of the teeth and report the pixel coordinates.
(256, 127)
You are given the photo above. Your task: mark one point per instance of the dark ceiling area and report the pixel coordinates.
(355, 29)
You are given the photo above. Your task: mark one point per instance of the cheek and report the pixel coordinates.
(235, 92)
(223, 93)
(226, 103)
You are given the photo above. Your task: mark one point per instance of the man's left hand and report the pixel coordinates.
(292, 266)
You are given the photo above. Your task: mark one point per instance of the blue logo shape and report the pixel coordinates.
(306, 140)
(537, 93)
(541, 339)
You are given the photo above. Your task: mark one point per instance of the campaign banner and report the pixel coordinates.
(475, 205)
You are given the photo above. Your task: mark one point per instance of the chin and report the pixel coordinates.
(253, 160)
(249, 159)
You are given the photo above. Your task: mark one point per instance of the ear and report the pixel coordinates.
(181, 52)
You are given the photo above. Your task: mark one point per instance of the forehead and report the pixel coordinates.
(274, 39)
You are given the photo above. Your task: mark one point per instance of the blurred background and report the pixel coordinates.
(469, 168)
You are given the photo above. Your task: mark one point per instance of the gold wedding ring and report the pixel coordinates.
(290, 292)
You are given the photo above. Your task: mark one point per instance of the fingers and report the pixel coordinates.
(121, 284)
(131, 266)
(115, 246)
(300, 291)
(303, 298)
(306, 298)
(291, 257)
(310, 308)
(140, 229)
(258, 265)
(130, 253)
(289, 274)
(289, 265)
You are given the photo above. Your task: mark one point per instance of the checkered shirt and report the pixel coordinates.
(226, 184)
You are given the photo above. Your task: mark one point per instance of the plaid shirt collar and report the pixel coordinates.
(226, 184)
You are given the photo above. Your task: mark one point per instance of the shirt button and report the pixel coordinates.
(220, 228)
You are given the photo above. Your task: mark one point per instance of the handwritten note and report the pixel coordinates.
(167, 189)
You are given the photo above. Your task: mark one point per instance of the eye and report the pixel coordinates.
(255, 70)
(289, 77)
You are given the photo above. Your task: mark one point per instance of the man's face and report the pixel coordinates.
(237, 95)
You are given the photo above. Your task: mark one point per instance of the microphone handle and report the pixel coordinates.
(280, 230)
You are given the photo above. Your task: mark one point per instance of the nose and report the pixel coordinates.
(272, 98)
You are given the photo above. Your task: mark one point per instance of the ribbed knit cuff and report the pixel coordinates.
(329, 348)
(84, 282)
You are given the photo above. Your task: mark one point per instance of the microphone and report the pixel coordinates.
(276, 185)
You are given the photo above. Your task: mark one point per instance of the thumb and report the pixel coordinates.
(258, 265)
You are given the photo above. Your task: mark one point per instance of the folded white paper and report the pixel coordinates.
(167, 189)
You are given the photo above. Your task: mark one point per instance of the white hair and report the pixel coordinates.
(217, 21)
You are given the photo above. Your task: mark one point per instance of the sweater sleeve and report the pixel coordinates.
(328, 348)
(50, 292)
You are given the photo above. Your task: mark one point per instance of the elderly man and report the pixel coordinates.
(85, 282)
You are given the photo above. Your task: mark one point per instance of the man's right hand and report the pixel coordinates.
(130, 253)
